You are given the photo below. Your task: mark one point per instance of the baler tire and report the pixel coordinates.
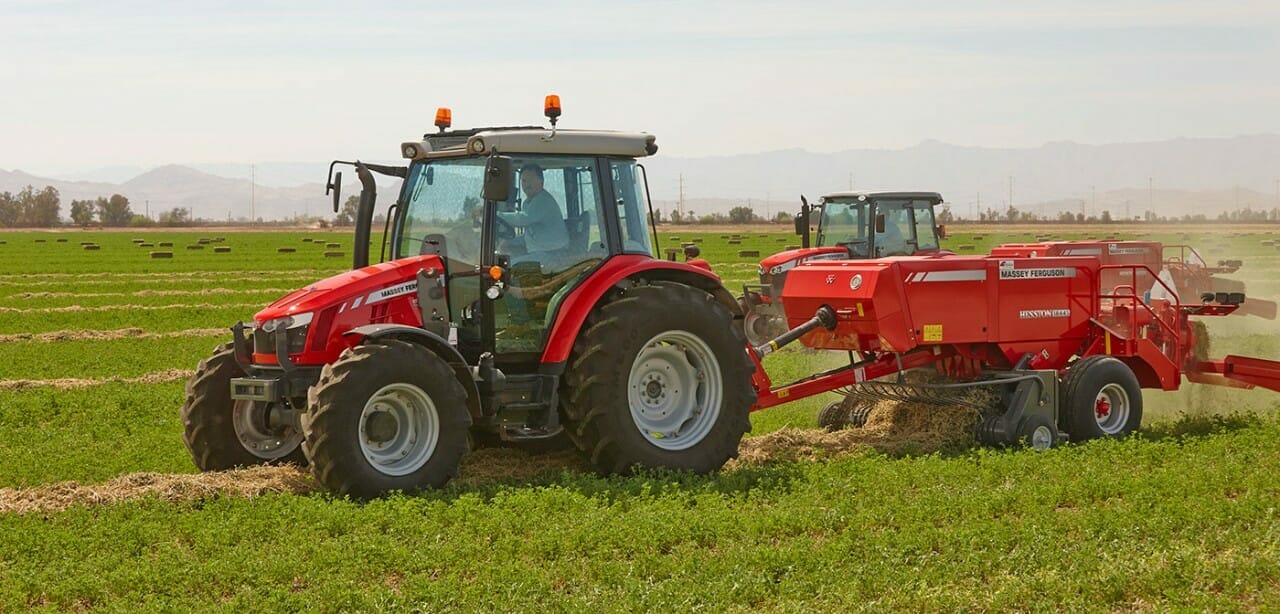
(208, 419)
(1084, 386)
(607, 356)
(420, 393)
(1037, 433)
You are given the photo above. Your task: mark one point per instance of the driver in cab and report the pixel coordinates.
(544, 230)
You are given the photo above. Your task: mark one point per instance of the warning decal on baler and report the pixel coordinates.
(1059, 272)
(932, 332)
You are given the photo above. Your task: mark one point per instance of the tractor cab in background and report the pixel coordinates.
(851, 226)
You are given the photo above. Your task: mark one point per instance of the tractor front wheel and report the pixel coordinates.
(1102, 399)
(223, 433)
(660, 378)
(385, 416)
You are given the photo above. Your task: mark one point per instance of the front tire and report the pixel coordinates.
(385, 416)
(222, 433)
(1103, 399)
(660, 378)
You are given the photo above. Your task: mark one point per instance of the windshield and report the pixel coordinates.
(442, 199)
(843, 223)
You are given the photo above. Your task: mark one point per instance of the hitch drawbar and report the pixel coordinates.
(824, 317)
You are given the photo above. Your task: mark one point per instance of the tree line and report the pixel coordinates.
(31, 208)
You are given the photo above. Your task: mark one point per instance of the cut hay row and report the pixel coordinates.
(200, 292)
(200, 274)
(107, 279)
(893, 428)
(479, 467)
(78, 308)
(109, 335)
(68, 383)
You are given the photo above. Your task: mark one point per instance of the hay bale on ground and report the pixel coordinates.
(161, 254)
(306, 239)
(60, 240)
(333, 254)
(39, 240)
(221, 249)
(165, 244)
(965, 248)
(146, 245)
(285, 250)
(204, 241)
(195, 246)
(791, 247)
(92, 247)
(332, 245)
(673, 239)
(748, 253)
(734, 242)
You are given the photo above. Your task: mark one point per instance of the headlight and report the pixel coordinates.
(287, 322)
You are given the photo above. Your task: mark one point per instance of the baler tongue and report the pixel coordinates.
(1258, 308)
(1238, 372)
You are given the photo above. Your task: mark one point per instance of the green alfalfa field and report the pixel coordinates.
(100, 505)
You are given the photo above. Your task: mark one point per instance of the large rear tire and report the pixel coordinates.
(222, 433)
(1102, 399)
(385, 416)
(659, 378)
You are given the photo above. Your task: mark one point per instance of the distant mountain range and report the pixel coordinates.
(1171, 177)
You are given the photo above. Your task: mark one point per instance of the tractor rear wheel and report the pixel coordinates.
(660, 378)
(387, 415)
(222, 433)
(1102, 399)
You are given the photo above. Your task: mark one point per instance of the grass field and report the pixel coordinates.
(95, 345)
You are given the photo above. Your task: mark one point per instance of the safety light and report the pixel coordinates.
(551, 108)
(495, 272)
(444, 118)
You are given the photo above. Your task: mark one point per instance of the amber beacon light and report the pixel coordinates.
(551, 108)
(444, 118)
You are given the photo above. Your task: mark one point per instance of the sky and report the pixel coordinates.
(97, 84)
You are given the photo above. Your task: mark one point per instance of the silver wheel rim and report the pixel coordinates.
(249, 421)
(1041, 438)
(755, 324)
(675, 390)
(399, 429)
(1111, 409)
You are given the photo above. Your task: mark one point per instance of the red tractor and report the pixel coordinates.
(851, 225)
(517, 299)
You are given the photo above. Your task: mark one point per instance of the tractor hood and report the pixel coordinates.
(782, 261)
(351, 290)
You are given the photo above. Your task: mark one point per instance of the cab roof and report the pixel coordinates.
(532, 140)
(883, 195)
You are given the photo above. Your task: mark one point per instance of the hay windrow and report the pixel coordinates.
(199, 292)
(109, 335)
(480, 467)
(78, 308)
(68, 383)
(892, 428)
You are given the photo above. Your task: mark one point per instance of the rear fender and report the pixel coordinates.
(620, 270)
(433, 342)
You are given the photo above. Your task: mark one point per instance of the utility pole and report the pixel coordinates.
(253, 191)
(1010, 191)
(1093, 199)
(148, 206)
(977, 208)
(681, 202)
(1151, 199)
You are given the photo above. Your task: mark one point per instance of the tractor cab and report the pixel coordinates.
(851, 226)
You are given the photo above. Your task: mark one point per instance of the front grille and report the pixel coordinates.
(265, 343)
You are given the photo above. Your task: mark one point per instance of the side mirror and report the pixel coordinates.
(880, 223)
(801, 224)
(336, 188)
(499, 174)
(942, 231)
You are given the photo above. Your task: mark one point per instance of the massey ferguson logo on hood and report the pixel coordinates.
(378, 296)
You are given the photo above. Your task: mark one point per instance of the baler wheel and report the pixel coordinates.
(388, 415)
(1102, 399)
(222, 433)
(659, 378)
(1037, 432)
